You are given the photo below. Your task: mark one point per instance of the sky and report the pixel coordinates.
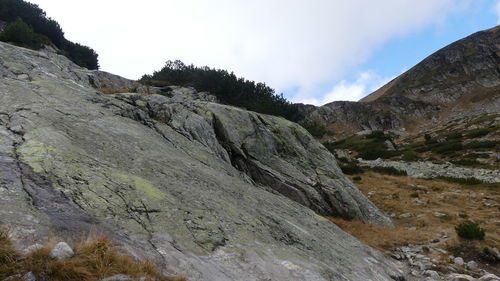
(312, 51)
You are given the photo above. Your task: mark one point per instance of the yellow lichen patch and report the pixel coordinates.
(34, 154)
(141, 185)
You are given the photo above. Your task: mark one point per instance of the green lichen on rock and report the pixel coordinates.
(35, 153)
(141, 185)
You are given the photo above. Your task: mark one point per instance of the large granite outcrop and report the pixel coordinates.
(207, 190)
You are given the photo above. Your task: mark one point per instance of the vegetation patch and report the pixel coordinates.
(95, 258)
(23, 35)
(470, 230)
(29, 26)
(446, 147)
(351, 168)
(482, 144)
(227, 87)
(454, 136)
(478, 133)
(389, 171)
(410, 156)
(466, 181)
(315, 128)
(369, 147)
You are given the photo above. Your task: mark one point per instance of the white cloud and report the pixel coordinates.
(364, 84)
(286, 43)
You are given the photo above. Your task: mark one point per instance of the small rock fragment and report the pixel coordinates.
(431, 273)
(462, 277)
(440, 215)
(118, 277)
(61, 251)
(471, 265)
(33, 248)
(458, 260)
(29, 276)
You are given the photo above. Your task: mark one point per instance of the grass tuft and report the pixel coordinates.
(95, 258)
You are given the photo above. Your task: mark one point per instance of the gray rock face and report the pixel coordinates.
(61, 251)
(209, 191)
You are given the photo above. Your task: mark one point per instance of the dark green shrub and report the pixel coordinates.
(315, 128)
(454, 135)
(478, 133)
(227, 87)
(343, 160)
(466, 162)
(351, 168)
(489, 255)
(482, 144)
(389, 171)
(81, 55)
(379, 135)
(447, 147)
(466, 181)
(470, 230)
(428, 139)
(421, 149)
(369, 147)
(409, 156)
(22, 34)
(376, 152)
(356, 178)
(414, 195)
(44, 30)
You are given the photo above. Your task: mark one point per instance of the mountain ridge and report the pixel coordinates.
(457, 81)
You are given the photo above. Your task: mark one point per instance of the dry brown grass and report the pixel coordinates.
(397, 195)
(94, 259)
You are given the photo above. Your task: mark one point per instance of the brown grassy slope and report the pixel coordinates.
(422, 199)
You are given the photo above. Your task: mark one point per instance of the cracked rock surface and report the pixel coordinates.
(207, 190)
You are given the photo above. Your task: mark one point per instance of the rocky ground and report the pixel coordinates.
(428, 169)
(425, 213)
